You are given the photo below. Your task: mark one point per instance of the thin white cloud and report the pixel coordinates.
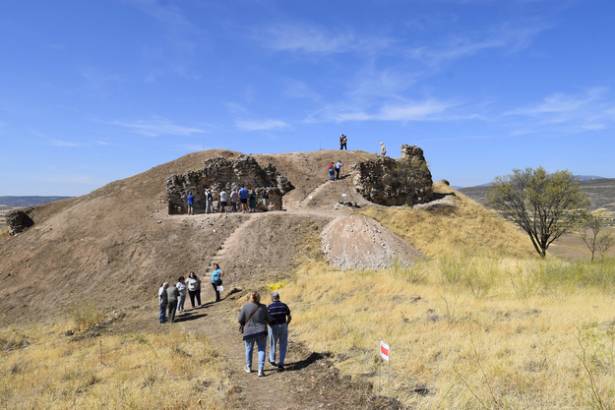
(511, 38)
(157, 127)
(586, 111)
(318, 40)
(64, 143)
(415, 111)
(266, 124)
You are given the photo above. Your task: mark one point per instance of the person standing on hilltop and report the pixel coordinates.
(253, 321)
(194, 289)
(343, 142)
(244, 195)
(190, 201)
(279, 313)
(338, 169)
(216, 280)
(223, 200)
(383, 149)
(181, 289)
(234, 200)
(172, 295)
(163, 302)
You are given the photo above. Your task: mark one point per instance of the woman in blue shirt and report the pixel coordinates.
(216, 280)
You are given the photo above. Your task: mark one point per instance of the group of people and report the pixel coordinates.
(172, 297)
(257, 322)
(242, 199)
(334, 170)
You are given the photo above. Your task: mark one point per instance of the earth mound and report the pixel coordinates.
(358, 242)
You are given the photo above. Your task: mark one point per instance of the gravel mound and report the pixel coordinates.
(358, 242)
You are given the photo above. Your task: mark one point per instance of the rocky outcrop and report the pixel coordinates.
(18, 221)
(387, 181)
(227, 174)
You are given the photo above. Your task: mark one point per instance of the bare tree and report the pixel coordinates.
(595, 234)
(545, 206)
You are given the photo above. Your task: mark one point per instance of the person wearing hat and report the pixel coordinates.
(278, 330)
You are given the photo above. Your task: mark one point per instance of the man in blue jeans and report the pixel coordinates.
(280, 318)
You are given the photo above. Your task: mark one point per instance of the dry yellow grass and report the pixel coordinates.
(471, 228)
(550, 346)
(40, 367)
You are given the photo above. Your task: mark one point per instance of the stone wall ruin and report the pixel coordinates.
(227, 174)
(391, 182)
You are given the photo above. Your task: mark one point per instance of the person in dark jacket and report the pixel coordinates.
(279, 313)
(253, 321)
(252, 201)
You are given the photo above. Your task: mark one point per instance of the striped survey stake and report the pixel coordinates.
(385, 351)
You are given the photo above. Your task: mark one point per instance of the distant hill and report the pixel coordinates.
(601, 191)
(27, 201)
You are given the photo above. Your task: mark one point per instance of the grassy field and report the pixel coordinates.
(73, 365)
(471, 332)
(481, 323)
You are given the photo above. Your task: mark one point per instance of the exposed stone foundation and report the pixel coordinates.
(18, 221)
(387, 181)
(228, 174)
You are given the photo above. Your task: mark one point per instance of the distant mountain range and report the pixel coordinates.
(27, 201)
(601, 191)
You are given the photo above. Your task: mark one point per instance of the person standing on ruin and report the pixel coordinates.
(234, 200)
(163, 302)
(209, 201)
(383, 149)
(253, 321)
(216, 279)
(181, 289)
(338, 169)
(244, 196)
(223, 200)
(194, 289)
(190, 201)
(172, 295)
(343, 142)
(279, 313)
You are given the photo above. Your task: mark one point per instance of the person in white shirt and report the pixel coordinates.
(194, 289)
(223, 200)
(163, 301)
(181, 288)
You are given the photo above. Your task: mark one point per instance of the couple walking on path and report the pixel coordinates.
(256, 322)
(171, 298)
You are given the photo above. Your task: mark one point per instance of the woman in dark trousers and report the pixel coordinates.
(252, 201)
(216, 279)
(194, 289)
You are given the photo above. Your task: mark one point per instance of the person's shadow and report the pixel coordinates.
(311, 359)
(188, 316)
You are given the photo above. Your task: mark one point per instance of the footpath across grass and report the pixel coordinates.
(77, 364)
(468, 332)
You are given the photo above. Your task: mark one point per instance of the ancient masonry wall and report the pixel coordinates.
(227, 174)
(391, 182)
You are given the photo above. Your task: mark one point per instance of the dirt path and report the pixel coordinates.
(309, 382)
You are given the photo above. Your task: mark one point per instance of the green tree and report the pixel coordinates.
(595, 233)
(544, 205)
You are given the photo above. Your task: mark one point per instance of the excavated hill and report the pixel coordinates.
(115, 245)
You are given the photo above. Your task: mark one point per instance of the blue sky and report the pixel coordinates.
(99, 90)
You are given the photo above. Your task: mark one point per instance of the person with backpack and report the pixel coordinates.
(181, 289)
(223, 201)
(162, 302)
(244, 196)
(338, 169)
(216, 280)
(194, 289)
(252, 201)
(190, 201)
(280, 318)
(172, 295)
(209, 201)
(253, 321)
